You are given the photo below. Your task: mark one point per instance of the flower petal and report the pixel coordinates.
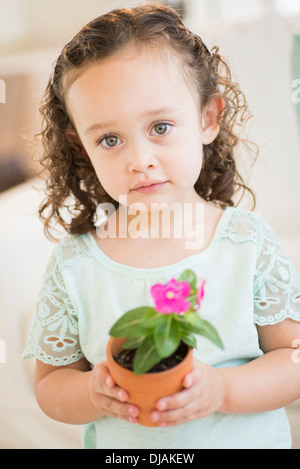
(200, 293)
(169, 298)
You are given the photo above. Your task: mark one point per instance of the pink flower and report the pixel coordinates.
(200, 293)
(170, 298)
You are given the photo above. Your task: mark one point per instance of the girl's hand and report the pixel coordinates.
(107, 397)
(203, 395)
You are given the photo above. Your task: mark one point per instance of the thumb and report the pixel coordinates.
(188, 380)
(194, 376)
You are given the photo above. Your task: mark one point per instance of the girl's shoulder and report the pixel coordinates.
(71, 249)
(246, 225)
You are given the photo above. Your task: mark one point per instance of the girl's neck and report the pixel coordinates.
(159, 221)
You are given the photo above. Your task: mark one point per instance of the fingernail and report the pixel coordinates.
(120, 395)
(161, 405)
(108, 382)
(154, 416)
(188, 381)
(133, 411)
(132, 420)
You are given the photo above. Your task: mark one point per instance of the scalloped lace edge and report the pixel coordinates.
(276, 318)
(49, 360)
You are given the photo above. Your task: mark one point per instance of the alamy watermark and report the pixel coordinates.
(296, 92)
(2, 91)
(162, 220)
(2, 351)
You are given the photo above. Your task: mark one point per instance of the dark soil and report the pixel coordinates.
(125, 359)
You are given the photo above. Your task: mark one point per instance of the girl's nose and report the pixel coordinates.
(141, 158)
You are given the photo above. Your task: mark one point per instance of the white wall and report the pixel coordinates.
(260, 57)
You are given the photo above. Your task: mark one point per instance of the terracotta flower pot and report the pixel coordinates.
(144, 390)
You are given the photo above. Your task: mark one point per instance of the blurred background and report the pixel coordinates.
(260, 40)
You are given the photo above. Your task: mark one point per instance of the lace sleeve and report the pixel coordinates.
(276, 283)
(53, 337)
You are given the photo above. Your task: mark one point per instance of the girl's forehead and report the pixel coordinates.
(146, 74)
(132, 60)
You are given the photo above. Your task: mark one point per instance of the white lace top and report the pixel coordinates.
(249, 281)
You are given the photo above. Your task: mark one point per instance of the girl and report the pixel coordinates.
(140, 112)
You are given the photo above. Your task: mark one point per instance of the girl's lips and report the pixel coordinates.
(147, 187)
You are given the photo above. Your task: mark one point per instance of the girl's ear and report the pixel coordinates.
(211, 117)
(75, 141)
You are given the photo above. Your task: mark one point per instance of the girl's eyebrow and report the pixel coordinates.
(99, 126)
(153, 112)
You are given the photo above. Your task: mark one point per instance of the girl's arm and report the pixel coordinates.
(266, 383)
(271, 381)
(73, 394)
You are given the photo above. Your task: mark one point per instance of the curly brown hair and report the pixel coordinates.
(70, 174)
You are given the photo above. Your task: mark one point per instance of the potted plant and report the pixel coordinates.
(151, 348)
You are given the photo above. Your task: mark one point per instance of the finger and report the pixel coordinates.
(192, 388)
(171, 420)
(173, 417)
(194, 376)
(178, 400)
(114, 408)
(104, 383)
(194, 410)
(188, 380)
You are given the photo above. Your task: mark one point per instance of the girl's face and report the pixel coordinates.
(139, 122)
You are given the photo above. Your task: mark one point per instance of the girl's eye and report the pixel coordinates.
(161, 128)
(109, 141)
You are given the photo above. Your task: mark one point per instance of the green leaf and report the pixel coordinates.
(193, 301)
(187, 334)
(167, 337)
(195, 322)
(189, 339)
(190, 277)
(204, 328)
(146, 357)
(152, 319)
(133, 343)
(129, 325)
(211, 333)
